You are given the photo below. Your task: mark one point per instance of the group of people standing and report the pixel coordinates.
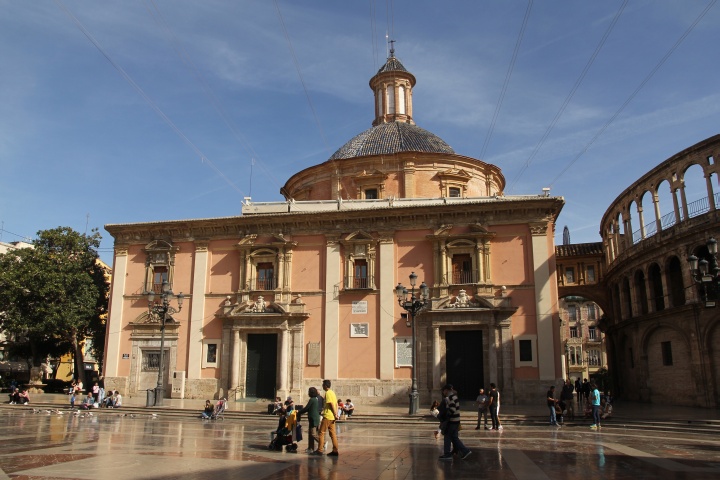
(489, 403)
(597, 406)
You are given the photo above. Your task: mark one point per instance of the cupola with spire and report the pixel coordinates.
(393, 85)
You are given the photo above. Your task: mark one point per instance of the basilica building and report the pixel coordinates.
(296, 291)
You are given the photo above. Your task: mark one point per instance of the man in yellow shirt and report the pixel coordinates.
(327, 424)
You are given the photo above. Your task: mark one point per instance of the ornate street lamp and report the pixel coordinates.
(413, 306)
(160, 309)
(707, 274)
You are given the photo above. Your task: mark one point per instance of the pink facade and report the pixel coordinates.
(293, 292)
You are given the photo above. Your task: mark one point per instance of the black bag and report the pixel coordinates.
(298, 433)
(321, 404)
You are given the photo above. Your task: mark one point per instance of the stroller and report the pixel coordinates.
(219, 412)
(284, 435)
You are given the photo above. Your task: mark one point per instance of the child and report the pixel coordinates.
(72, 398)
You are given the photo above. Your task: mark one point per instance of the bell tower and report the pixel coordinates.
(393, 85)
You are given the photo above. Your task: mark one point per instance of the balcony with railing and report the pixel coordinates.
(357, 282)
(694, 209)
(263, 283)
(463, 277)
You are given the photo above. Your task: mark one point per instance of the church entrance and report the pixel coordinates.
(260, 377)
(464, 360)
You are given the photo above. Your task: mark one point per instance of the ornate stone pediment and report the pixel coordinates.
(456, 174)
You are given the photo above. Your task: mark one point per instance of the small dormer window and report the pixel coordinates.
(454, 192)
(371, 194)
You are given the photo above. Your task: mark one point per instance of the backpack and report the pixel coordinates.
(321, 403)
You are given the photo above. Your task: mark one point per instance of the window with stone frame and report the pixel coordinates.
(591, 311)
(371, 194)
(592, 333)
(593, 358)
(574, 332)
(265, 276)
(360, 257)
(590, 274)
(569, 275)
(150, 360)
(360, 277)
(454, 192)
(462, 269)
(159, 265)
(572, 313)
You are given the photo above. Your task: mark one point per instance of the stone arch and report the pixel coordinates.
(639, 284)
(694, 190)
(660, 375)
(627, 304)
(674, 280)
(666, 202)
(657, 295)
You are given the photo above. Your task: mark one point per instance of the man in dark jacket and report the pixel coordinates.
(450, 413)
(313, 411)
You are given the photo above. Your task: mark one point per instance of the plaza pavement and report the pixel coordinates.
(641, 442)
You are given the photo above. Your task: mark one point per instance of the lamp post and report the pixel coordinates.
(707, 274)
(413, 306)
(160, 309)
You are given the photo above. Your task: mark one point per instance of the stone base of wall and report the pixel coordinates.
(118, 383)
(202, 388)
(363, 392)
(529, 392)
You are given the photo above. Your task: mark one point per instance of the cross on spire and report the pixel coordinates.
(392, 48)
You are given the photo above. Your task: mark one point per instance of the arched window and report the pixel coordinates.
(675, 281)
(656, 287)
(379, 96)
(391, 99)
(641, 292)
(401, 99)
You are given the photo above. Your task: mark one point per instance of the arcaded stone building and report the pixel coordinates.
(662, 338)
(295, 291)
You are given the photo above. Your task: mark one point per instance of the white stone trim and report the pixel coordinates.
(533, 340)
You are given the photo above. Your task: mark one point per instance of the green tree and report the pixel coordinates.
(55, 293)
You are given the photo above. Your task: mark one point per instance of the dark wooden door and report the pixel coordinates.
(464, 359)
(260, 377)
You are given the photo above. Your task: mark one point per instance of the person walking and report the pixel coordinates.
(551, 401)
(327, 424)
(586, 389)
(450, 413)
(494, 406)
(578, 390)
(482, 405)
(313, 411)
(595, 401)
(566, 396)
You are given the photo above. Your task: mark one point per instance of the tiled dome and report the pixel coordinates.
(392, 137)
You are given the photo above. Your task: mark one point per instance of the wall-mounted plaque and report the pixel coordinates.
(403, 352)
(313, 354)
(360, 330)
(360, 307)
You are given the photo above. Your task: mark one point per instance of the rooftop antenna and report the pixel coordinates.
(252, 162)
(392, 48)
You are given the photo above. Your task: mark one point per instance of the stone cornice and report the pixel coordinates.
(485, 211)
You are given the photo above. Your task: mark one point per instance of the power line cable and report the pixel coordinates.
(203, 158)
(570, 95)
(207, 90)
(635, 92)
(302, 80)
(507, 81)
(373, 33)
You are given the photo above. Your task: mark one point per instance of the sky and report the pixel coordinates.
(151, 110)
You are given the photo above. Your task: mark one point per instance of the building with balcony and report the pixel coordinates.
(296, 291)
(580, 273)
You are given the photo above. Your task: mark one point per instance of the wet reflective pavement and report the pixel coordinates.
(108, 445)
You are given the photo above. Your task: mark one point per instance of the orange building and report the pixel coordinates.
(293, 292)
